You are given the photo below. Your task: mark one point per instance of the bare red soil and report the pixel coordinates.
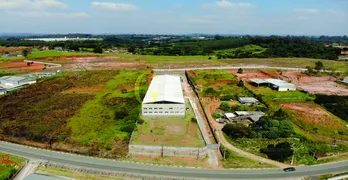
(21, 65)
(11, 49)
(316, 85)
(250, 74)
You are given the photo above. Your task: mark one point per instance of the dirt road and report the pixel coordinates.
(218, 131)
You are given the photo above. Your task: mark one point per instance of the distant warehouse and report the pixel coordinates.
(276, 84)
(10, 83)
(164, 97)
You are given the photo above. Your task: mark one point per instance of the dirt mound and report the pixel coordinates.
(251, 74)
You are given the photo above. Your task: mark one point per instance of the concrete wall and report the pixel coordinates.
(151, 110)
(194, 152)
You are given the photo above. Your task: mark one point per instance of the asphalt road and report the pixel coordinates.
(110, 165)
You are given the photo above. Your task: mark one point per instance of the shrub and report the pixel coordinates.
(225, 106)
(128, 128)
(238, 131)
(280, 152)
(240, 71)
(193, 120)
(141, 121)
(216, 115)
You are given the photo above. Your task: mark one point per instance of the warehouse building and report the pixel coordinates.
(164, 97)
(247, 100)
(10, 83)
(276, 84)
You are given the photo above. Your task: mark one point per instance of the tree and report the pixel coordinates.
(225, 106)
(98, 49)
(319, 65)
(240, 71)
(209, 58)
(240, 83)
(25, 52)
(281, 152)
(238, 131)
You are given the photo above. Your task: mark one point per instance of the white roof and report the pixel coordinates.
(345, 80)
(165, 88)
(247, 99)
(258, 81)
(16, 78)
(249, 113)
(280, 83)
(230, 115)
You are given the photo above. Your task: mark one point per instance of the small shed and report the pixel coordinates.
(345, 80)
(247, 100)
(230, 116)
(252, 115)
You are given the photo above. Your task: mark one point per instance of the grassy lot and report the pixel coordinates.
(217, 83)
(71, 174)
(184, 61)
(45, 115)
(254, 49)
(7, 171)
(53, 53)
(109, 119)
(169, 131)
(234, 160)
(333, 159)
(315, 119)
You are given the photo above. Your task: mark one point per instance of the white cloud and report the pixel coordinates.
(47, 14)
(29, 5)
(311, 11)
(225, 4)
(114, 6)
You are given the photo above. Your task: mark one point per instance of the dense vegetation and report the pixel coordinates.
(49, 114)
(221, 47)
(266, 127)
(337, 105)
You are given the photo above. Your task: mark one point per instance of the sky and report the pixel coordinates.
(253, 17)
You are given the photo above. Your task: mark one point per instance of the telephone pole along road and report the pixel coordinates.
(152, 170)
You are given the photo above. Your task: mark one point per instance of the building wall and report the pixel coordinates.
(286, 89)
(194, 152)
(163, 110)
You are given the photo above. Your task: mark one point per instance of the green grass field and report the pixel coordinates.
(234, 160)
(6, 171)
(111, 116)
(71, 174)
(169, 131)
(254, 49)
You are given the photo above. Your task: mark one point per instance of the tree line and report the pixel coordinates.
(276, 46)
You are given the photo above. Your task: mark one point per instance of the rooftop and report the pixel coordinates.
(16, 78)
(247, 99)
(279, 82)
(165, 88)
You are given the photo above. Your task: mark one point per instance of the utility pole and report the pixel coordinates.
(162, 152)
(293, 157)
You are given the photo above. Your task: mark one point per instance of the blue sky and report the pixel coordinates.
(262, 17)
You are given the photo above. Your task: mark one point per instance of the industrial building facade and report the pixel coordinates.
(164, 97)
(276, 84)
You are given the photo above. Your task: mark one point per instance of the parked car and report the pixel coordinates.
(289, 169)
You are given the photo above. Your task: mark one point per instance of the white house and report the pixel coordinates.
(164, 97)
